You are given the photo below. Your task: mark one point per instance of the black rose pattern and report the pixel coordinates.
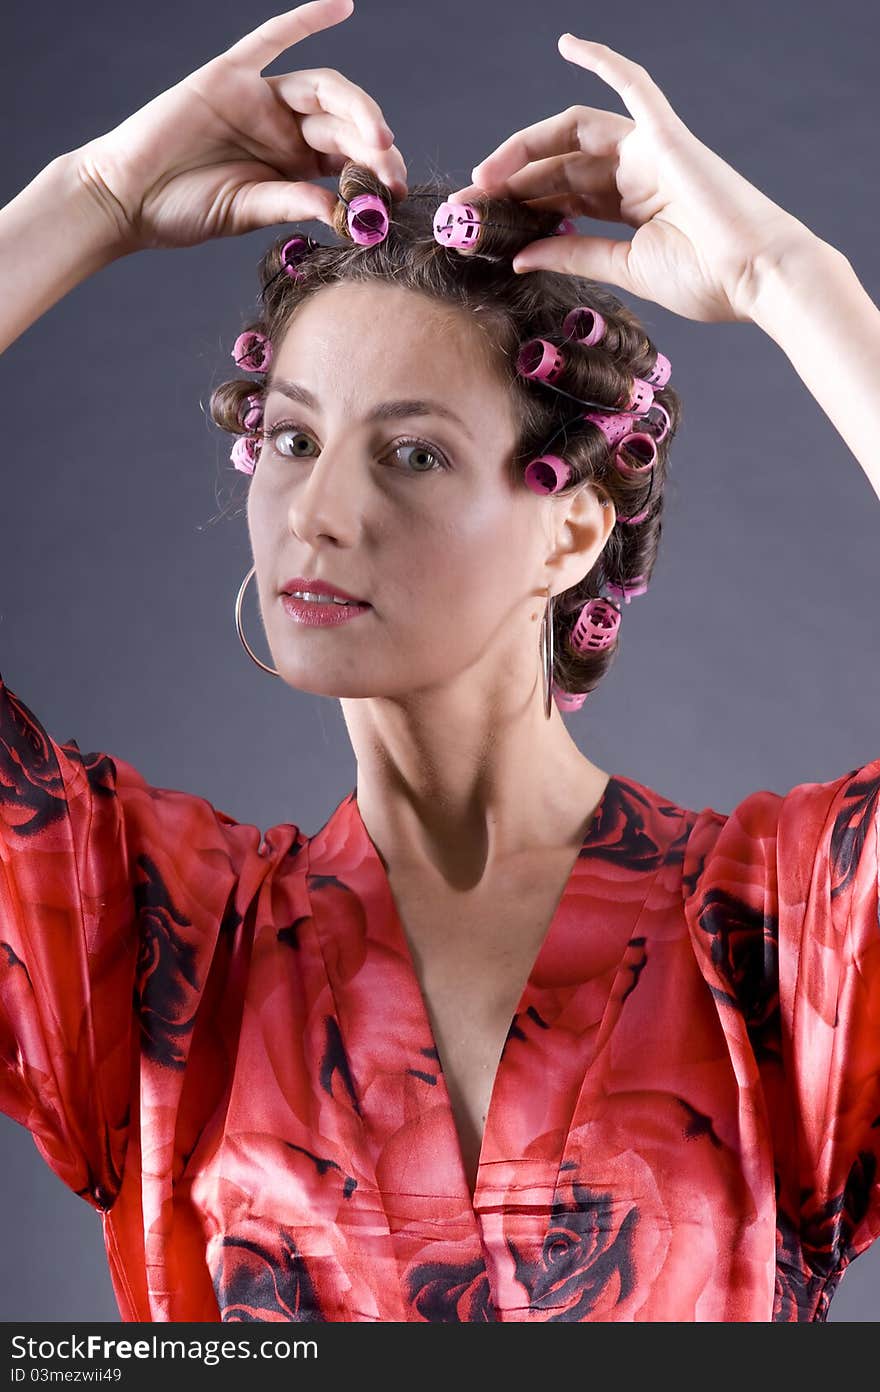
(811, 1258)
(744, 945)
(165, 972)
(254, 1284)
(852, 825)
(621, 832)
(30, 779)
(581, 1258)
(446, 1293)
(334, 1060)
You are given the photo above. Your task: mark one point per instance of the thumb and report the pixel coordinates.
(598, 258)
(282, 200)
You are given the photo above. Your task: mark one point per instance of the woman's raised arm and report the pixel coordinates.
(54, 234)
(222, 152)
(707, 245)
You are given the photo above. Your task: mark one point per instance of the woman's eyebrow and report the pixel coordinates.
(386, 410)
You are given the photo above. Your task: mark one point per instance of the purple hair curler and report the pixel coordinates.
(547, 473)
(367, 219)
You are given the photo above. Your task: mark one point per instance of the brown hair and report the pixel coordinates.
(510, 309)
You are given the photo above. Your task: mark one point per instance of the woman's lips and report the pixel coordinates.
(314, 614)
(304, 585)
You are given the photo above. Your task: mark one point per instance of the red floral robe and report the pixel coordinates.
(218, 1040)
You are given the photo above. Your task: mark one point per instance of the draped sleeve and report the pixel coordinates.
(781, 899)
(114, 899)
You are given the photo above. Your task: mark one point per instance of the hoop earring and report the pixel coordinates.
(245, 644)
(547, 655)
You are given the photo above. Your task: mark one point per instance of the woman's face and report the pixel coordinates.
(418, 513)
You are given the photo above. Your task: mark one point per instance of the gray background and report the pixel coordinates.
(753, 662)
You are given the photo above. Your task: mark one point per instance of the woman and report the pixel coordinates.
(509, 1037)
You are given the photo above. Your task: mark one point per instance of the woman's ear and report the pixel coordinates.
(581, 524)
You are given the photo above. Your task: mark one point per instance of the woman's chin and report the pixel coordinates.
(338, 688)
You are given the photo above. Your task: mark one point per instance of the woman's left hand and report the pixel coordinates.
(704, 235)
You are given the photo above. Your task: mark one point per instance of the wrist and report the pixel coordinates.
(800, 266)
(98, 219)
(52, 236)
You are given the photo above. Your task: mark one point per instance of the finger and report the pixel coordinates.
(580, 129)
(324, 89)
(276, 201)
(334, 136)
(599, 258)
(633, 84)
(577, 186)
(264, 44)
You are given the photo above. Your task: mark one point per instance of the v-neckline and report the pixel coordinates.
(398, 941)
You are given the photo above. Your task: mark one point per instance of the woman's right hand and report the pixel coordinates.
(703, 233)
(227, 151)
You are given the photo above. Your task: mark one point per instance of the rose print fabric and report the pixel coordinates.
(218, 1040)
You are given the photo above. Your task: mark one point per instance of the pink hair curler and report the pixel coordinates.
(568, 701)
(367, 219)
(596, 626)
(456, 224)
(252, 351)
(660, 372)
(643, 446)
(656, 406)
(292, 253)
(613, 426)
(641, 398)
(245, 453)
(584, 325)
(629, 589)
(539, 360)
(547, 474)
(566, 228)
(632, 521)
(251, 411)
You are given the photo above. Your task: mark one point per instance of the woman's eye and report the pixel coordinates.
(425, 459)
(279, 431)
(421, 453)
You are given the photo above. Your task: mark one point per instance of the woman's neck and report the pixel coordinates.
(458, 792)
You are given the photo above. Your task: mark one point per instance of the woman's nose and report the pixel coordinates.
(327, 501)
